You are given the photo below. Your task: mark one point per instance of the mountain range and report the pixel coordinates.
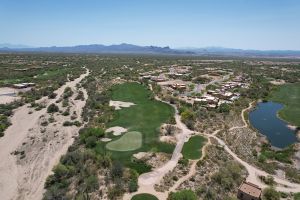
(135, 49)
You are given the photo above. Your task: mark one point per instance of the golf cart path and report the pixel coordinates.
(243, 117)
(26, 181)
(192, 170)
(148, 180)
(154, 177)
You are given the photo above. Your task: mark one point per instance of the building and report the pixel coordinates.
(249, 191)
(179, 86)
(23, 85)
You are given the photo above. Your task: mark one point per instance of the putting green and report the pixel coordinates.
(128, 142)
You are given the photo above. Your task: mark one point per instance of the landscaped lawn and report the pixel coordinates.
(289, 95)
(144, 117)
(144, 196)
(193, 148)
(128, 142)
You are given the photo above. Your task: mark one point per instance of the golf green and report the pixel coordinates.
(193, 148)
(144, 196)
(145, 117)
(128, 142)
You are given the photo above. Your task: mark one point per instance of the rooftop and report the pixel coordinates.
(251, 189)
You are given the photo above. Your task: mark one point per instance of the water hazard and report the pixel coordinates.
(264, 118)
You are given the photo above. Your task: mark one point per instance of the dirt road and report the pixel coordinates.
(24, 177)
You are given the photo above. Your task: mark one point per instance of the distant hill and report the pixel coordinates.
(221, 51)
(99, 48)
(13, 46)
(135, 49)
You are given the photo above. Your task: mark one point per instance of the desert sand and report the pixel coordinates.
(29, 150)
(8, 95)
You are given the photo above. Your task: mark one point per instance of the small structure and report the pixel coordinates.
(23, 85)
(249, 191)
(179, 86)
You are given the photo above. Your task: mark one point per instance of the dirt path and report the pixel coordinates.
(24, 178)
(253, 172)
(192, 170)
(243, 117)
(147, 181)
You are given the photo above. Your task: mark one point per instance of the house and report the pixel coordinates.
(179, 86)
(249, 191)
(158, 78)
(23, 85)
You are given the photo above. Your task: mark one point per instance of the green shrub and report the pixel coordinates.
(133, 186)
(297, 196)
(52, 95)
(52, 108)
(183, 195)
(270, 194)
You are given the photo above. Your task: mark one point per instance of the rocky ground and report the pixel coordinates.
(170, 178)
(215, 159)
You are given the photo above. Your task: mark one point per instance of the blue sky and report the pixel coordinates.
(247, 24)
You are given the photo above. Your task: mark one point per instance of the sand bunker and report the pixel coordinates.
(117, 130)
(278, 82)
(105, 139)
(141, 155)
(120, 104)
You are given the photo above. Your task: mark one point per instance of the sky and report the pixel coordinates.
(245, 24)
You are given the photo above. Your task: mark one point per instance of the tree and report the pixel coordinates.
(52, 95)
(187, 115)
(52, 108)
(224, 108)
(183, 195)
(271, 194)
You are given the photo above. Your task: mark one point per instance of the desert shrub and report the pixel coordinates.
(183, 195)
(270, 194)
(52, 95)
(52, 108)
(133, 186)
(67, 93)
(80, 96)
(90, 132)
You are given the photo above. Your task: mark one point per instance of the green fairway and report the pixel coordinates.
(289, 95)
(193, 148)
(128, 142)
(144, 196)
(145, 117)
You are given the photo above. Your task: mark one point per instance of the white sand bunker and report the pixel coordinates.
(117, 130)
(120, 104)
(105, 139)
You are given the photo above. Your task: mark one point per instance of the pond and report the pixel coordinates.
(264, 118)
